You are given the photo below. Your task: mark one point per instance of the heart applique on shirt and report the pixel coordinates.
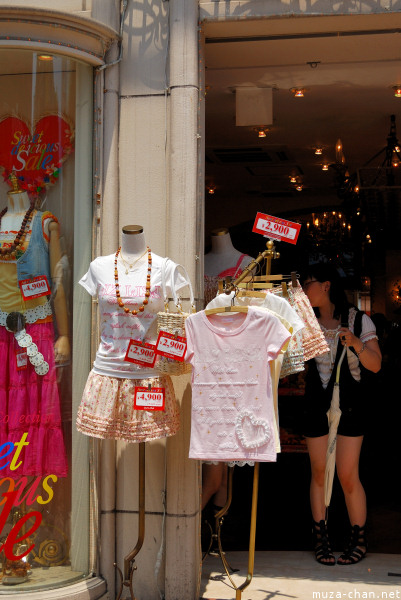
(251, 431)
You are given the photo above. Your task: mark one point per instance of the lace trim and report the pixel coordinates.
(31, 314)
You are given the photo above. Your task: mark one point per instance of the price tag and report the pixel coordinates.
(147, 398)
(21, 357)
(171, 346)
(141, 353)
(34, 288)
(277, 229)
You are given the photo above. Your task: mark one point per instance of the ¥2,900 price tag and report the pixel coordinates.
(278, 229)
(149, 398)
(171, 346)
(141, 353)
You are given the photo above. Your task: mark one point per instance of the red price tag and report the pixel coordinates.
(21, 357)
(171, 346)
(277, 229)
(149, 398)
(34, 288)
(141, 353)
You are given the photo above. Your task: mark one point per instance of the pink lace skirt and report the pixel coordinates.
(107, 410)
(30, 403)
(313, 340)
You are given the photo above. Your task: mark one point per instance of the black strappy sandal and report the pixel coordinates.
(356, 549)
(323, 551)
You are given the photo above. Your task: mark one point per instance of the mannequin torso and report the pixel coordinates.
(223, 255)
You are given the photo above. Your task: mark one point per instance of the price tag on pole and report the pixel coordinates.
(171, 346)
(148, 398)
(277, 229)
(141, 353)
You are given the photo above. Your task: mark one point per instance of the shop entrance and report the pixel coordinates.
(328, 158)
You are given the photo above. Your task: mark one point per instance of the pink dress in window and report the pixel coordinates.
(232, 399)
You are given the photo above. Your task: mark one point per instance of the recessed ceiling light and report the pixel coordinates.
(319, 151)
(45, 57)
(298, 92)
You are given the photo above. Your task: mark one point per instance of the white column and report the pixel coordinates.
(183, 496)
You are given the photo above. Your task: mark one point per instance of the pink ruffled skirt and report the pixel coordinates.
(30, 403)
(107, 410)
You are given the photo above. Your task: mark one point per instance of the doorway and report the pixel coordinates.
(328, 159)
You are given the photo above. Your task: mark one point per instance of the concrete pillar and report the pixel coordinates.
(182, 529)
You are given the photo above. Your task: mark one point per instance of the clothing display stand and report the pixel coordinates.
(250, 282)
(129, 560)
(215, 535)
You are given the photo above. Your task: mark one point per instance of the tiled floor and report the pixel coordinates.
(296, 575)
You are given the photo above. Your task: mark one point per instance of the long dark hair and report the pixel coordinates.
(327, 272)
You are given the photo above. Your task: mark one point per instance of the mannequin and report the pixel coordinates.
(29, 399)
(222, 261)
(133, 243)
(128, 286)
(223, 255)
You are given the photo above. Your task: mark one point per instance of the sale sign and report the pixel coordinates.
(277, 229)
(171, 346)
(34, 288)
(149, 398)
(141, 353)
(35, 154)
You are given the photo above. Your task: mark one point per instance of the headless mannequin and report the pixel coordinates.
(17, 205)
(223, 255)
(133, 243)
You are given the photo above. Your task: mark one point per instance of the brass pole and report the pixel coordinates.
(141, 515)
(129, 566)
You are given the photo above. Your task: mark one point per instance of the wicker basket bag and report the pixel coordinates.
(173, 322)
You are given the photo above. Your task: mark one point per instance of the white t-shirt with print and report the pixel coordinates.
(118, 327)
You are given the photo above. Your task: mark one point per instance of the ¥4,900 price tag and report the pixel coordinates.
(141, 353)
(171, 346)
(149, 398)
(277, 229)
(35, 288)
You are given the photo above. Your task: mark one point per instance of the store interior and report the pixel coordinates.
(327, 158)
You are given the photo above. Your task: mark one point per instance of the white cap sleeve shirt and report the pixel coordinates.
(232, 399)
(118, 327)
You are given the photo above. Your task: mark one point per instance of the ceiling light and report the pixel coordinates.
(298, 92)
(397, 91)
(319, 151)
(293, 179)
(45, 57)
(211, 189)
(325, 167)
(261, 131)
(299, 188)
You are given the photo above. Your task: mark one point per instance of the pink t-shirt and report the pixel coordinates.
(232, 400)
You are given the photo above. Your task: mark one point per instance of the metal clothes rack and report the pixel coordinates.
(246, 278)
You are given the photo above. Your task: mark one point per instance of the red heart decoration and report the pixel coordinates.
(35, 157)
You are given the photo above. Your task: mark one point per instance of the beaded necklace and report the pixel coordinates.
(15, 250)
(147, 293)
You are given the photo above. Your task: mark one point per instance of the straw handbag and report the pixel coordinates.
(173, 322)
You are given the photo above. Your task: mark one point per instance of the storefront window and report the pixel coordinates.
(45, 245)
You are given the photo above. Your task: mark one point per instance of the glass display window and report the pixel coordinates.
(46, 117)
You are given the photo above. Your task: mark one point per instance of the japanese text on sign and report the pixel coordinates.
(171, 346)
(141, 353)
(278, 229)
(149, 398)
